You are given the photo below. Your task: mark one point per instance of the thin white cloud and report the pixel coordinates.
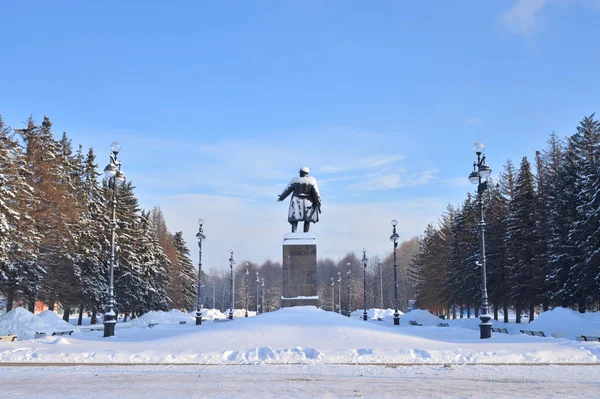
(523, 17)
(526, 16)
(388, 180)
(362, 163)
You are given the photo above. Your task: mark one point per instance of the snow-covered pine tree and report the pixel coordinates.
(584, 232)
(165, 239)
(93, 241)
(496, 209)
(432, 261)
(20, 274)
(48, 209)
(429, 294)
(522, 242)
(154, 269)
(547, 166)
(463, 273)
(63, 281)
(188, 274)
(129, 284)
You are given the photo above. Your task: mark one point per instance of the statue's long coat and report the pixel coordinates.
(305, 204)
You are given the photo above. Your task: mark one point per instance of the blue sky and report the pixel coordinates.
(217, 106)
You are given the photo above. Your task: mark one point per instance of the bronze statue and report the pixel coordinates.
(305, 204)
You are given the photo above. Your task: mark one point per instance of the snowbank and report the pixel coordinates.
(420, 316)
(566, 321)
(376, 313)
(209, 314)
(173, 316)
(54, 321)
(239, 313)
(304, 335)
(22, 323)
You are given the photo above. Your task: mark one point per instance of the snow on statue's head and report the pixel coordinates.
(304, 171)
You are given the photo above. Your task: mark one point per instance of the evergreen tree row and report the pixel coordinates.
(55, 232)
(542, 236)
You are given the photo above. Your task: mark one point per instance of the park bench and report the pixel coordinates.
(379, 319)
(500, 330)
(40, 335)
(443, 325)
(221, 320)
(183, 322)
(534, 333)
(152, 325)
(414, 323)
(589, 338)
(62, 333)
(99, 328)
(9, 338)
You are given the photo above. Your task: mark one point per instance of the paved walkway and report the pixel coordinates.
(300, 381)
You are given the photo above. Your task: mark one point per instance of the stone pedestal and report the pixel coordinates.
(299, 270)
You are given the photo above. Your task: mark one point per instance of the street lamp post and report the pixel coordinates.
(364, 262)
(246, 276)
(339, 281)
(262, 293)
(332, 295)
(200, 236)
(257, 297)
(115, 176)
(381, 283)
(349, 276)
(394, 238)
(482, 171)
(231, 263)
(214, 302)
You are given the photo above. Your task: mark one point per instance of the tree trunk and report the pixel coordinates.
(10, 299)
(94, 315)
(505, 311)
(51, 305)
(518, 312)
(31, 306)
(496, 312)
(80, 318)
(581, 306)
(461, 311)
(454, 312)
(66, 313)
(468, 311)
(477, 312)
(545, 304)
(531, 312)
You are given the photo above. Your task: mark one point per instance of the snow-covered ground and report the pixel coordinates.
(302, 335)
(299, 352)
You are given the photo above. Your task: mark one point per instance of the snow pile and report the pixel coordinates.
(473, 323)
(239, 313)
(592, 324)
(376, 313)
(53, 321)
(421, 317)
(209, 314)
(305, 335)
(174, 316)
(22, 323)
(568, 322)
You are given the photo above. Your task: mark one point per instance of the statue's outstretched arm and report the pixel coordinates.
(288, 190)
